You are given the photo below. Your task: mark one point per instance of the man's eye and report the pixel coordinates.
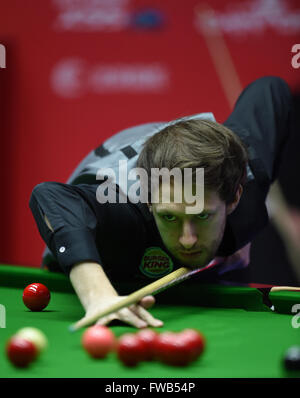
(203, 216)
(169, 217)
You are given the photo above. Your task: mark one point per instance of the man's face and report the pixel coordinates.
(193, 239)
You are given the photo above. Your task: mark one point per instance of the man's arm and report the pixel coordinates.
(287, 223)
(95, 292)
(60, 208)
(286, 220)
(239, 259)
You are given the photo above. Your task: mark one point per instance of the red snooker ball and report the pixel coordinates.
(172, 349)
(20, 352)
(195, 342)
(36, 296)
(98, 341)
(131, 349)
(148, 337)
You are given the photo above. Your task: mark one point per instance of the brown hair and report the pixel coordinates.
(198, 143)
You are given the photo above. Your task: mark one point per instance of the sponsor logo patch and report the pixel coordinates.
(156, 263)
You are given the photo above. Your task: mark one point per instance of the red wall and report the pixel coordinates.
(78, 71)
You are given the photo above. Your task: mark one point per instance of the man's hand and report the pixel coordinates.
(96, 293)
(135, 315)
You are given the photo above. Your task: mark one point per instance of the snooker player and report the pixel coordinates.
(99, 244)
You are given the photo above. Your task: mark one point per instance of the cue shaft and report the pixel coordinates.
(285, 288)
(219, 52)
(153, 288)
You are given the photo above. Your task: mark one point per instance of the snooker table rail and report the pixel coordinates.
(190, 292)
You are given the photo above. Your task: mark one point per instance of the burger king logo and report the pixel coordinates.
(156, 263)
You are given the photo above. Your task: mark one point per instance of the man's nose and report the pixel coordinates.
(189, 236)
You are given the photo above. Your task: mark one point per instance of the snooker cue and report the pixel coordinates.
(219, 52)
(153, 288)
(284, 288)
(232, 87)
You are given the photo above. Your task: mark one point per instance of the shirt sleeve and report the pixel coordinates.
(70, 211)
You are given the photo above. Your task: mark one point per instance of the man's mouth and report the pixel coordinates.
(191, 254)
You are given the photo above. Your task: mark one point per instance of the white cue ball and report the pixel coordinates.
(36, 336)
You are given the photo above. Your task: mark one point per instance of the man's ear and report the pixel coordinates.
(231, 207)
(149, 207)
